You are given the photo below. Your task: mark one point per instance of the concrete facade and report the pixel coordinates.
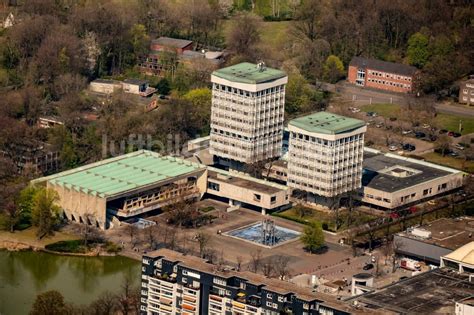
(247, 118)
(325, 163)
(103, 86)
(391, 181)
(243, 189)
(466, 92)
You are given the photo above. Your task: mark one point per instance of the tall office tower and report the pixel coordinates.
(325, 154)
(248, 106)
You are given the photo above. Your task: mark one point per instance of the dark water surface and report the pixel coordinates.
(80, 279)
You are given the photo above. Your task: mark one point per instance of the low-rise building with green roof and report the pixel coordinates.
(133, 184)
(125, 186)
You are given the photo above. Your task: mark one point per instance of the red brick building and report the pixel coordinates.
(171, 44)
(164, 54)
(382, 75)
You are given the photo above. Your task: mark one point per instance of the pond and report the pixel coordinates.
(80, 279)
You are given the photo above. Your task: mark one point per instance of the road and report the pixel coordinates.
(363, 96)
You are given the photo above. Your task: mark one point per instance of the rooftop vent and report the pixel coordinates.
(261, 66)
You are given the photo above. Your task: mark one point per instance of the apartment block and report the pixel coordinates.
(382, 75)
(466, 92)
(173, 283)
(325, 154)
(248, 106)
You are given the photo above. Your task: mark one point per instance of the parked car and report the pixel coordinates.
(408, 147)
(425, 126)
(433, 138)
(461, 193)
(413, 209)
(432, 202)
(393, 147)
(394, 215)
(450, 133)
(406, 132)
(456, 134)
(459, 146)
(371, 114)
(393, 118)
(368, 266)
(355, 109)
(443, 131)
(420, 134)
(379, 125)
(454, 154)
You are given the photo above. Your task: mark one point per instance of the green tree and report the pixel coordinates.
(49, 302)
(45, 212)
(333, 69)
(441, 46)
(313, 236)
(418, 52)
(163, 86)
(201, 100)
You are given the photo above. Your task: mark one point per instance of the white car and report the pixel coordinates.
(393, 148)
(426, 126)
(355, 110)
(405, 132)
(459, 146)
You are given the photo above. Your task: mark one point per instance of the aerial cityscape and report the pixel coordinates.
(236, 157)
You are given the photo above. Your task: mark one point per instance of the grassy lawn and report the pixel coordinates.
(273, 37)
(28, 236)
(450, 161)
(443, 121)
(451, 122)
(327, 219)
(385, 109)
(273, 33)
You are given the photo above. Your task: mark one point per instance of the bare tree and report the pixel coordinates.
(244, 36)
(106, 304)
(255, 260)
(203, 240)
(239, 260)
(267, 269)
(151, 235)
(281, 266)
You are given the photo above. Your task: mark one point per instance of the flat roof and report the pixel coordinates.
(135, 81)
(273, 285)
(375, 165)
(245, 181)
(326, 123)
(121, 174)
(172, 42)
(385, 66)
(446, 232)
(247, 72)
(432, 292)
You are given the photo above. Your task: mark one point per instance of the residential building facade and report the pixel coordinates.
(381, 75)
(325, 154)
(248, 106)
(173, 283)
(466, 92)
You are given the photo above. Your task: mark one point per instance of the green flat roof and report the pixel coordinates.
(126, 172)
(326, 123)
(247, 72)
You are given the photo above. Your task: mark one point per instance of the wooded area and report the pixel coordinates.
(56, 47)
